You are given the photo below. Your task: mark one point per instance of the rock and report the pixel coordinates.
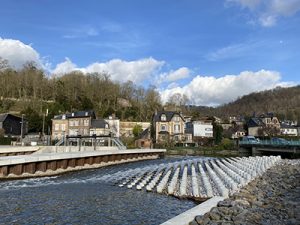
(193, 223)
(214, 216)
(242, 202)
(225, 203)
(199, 219)
(257, 204)
(224, 210)
(240, 218)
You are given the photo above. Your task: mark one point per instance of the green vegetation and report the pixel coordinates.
(31, 92)
(137, 130)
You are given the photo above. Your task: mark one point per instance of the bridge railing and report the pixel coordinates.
(270, 143)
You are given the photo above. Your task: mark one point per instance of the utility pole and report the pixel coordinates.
(22, 129)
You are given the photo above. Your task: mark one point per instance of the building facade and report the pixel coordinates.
(72, 124)
(168, 126)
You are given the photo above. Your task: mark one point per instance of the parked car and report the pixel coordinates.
(251, 139)
(280, 141)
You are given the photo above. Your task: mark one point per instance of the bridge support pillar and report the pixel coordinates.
(256, 152)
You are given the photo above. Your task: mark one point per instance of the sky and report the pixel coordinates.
(211, 51)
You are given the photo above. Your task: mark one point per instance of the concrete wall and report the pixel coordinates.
(62, 149)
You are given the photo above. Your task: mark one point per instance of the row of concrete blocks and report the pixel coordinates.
(13, 170)
(195, 178)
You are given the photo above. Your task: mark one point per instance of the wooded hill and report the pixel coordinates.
(284, 102)
(31, 91)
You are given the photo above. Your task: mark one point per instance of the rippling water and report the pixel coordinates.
(83, 198)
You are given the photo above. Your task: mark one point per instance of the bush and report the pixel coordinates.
(5, 140)
(227, 144)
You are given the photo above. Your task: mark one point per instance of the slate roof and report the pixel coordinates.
(87, 113)
(99, 123)
(287, 126)
(255, 122)
(3, 117)
(169, 116)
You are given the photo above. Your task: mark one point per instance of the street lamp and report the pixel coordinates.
(22, 122)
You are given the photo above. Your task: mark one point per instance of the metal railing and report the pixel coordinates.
(271, 143)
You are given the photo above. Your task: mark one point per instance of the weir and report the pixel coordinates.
(195, 178)
(45, 164)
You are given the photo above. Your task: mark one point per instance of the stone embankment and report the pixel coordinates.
(272, 199)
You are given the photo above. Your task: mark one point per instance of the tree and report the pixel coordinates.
(218, 133)
(137, 130)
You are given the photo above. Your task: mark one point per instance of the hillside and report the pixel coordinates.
(285, 102)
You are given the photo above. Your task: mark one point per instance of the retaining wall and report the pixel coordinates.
(49, 164)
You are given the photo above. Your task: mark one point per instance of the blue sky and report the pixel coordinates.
(203, 49)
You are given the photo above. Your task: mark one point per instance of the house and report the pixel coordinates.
(99, 127)
(126, 127)
(288, 130)
(144, 140)
(12, 125)
(200, 130)
(168, 126)
(264, 125)
(72, 124)
(114, 125)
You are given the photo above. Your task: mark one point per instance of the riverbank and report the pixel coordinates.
(273, 198)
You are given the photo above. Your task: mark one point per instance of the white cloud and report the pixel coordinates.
(209, 90)
(17, 53)
(119, 70)
(267, 12)
(179, 74)
(65, 67)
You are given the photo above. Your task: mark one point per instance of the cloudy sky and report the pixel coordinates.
(212, 51)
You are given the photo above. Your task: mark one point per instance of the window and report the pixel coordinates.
(86, 122)
(163, 117)
(76, 123)
(177, 128)
(71, 123)
(163, 127)
(56, 127)
(63, 127)
(176, 118)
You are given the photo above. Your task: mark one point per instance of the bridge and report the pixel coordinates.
(267, 147)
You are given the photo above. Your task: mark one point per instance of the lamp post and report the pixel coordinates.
(22, 122)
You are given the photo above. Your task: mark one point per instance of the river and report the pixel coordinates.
(83, 198)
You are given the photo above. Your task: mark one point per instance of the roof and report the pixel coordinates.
(255, 122)
(99, 123)
(169, 116)
(86, 113)
(3, 117)
(287, 126)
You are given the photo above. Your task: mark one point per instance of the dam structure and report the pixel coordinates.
(25, 162)
(197, 178)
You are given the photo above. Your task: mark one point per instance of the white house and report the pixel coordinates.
(114, 125)
(286, 129)
(202, 129)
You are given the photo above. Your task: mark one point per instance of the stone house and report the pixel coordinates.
(168, 126)
(263, 124)
(72, 124)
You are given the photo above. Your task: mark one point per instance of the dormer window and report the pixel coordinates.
(163, 117)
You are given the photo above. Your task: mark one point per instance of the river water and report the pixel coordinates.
(83, 198)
